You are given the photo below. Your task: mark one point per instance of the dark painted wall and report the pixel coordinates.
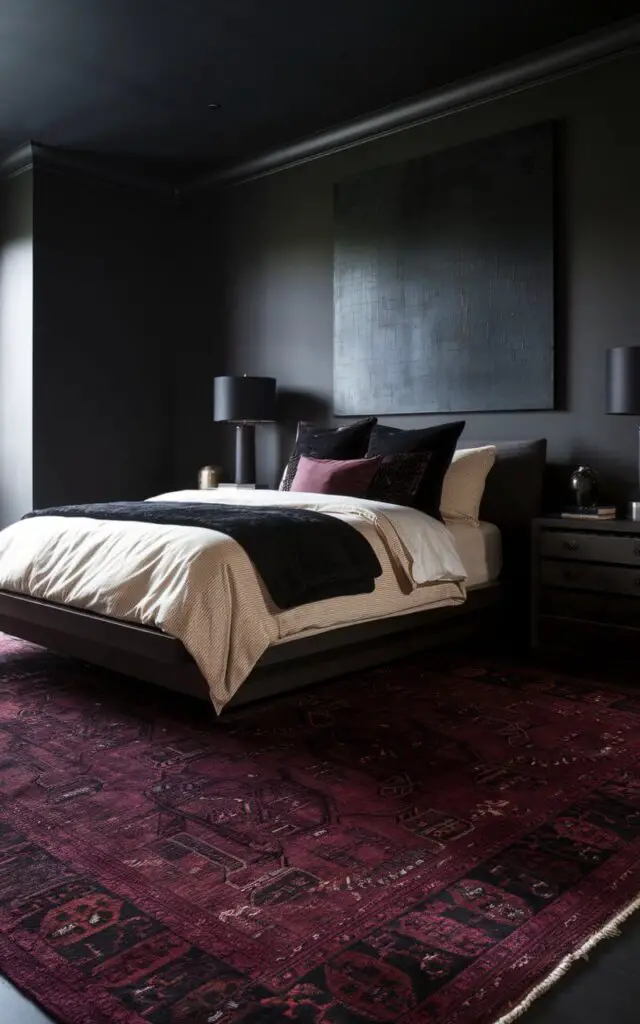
(271, 241)
(198, 288)
(105, 341)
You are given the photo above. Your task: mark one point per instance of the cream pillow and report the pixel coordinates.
(464, 482)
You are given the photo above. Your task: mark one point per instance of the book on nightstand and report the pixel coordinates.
(589, 512)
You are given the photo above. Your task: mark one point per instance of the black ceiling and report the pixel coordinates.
(133, 79)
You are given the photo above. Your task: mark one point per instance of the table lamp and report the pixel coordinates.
(623, 397)
(244, 401)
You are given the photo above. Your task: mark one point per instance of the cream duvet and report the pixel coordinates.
(199, 585)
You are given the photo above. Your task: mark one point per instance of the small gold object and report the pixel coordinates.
(208, 476)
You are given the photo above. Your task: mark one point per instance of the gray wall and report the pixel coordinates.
(110, 350)
(198, 292)
(106, 308)
(271, 242)
(16, 322)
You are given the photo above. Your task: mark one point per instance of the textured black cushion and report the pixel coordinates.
(348, 442)
(439, 441)
(398, 477)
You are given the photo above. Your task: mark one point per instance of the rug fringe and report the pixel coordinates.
(609, 931)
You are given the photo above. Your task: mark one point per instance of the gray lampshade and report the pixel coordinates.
(623, 380)
(244, 399)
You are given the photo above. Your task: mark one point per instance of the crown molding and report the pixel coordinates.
(25, 157)
(569, 58)
(17, 162)
(100, 170)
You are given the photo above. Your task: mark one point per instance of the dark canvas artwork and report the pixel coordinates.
(444, 281)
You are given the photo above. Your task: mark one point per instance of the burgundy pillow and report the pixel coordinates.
(350, 477)
(398, 477)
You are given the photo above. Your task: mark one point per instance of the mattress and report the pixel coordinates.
(480, 550)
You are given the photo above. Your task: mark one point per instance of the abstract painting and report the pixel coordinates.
(444, 281)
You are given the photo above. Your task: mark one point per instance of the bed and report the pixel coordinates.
(357, 632)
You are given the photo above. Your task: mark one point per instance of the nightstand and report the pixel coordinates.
(585, 584)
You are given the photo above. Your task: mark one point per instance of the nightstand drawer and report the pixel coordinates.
(611, 579)
(591, 607)
(590, 547)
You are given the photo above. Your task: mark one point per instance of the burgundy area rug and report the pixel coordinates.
(420, 843)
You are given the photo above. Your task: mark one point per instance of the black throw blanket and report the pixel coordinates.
(302, 556)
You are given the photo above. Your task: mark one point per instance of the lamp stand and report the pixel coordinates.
(245, 453)
(633, 507)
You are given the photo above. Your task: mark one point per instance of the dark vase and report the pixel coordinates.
(584, 484)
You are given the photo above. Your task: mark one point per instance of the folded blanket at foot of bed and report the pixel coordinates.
(302, 556)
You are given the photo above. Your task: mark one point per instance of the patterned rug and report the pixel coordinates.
(423, 843)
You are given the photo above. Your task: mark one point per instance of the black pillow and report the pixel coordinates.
(348, 442)
(440, 441)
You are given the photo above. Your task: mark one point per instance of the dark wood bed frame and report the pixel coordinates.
(148, 654)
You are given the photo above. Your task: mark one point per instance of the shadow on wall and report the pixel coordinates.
(293, 406)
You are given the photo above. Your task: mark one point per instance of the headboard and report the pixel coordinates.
(513, 492)
(512, 498)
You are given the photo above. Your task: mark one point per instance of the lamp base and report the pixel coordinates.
(245, 453)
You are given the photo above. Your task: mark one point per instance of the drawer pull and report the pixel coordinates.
(573, 574)
(572, 545)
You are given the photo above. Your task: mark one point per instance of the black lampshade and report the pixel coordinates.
(623, 380)
(244, 399)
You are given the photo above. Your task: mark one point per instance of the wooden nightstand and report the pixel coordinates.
(585, 584)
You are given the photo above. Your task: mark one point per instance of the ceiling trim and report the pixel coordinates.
(24, 157)
(575, 55)
(17, 162)
(101, 170)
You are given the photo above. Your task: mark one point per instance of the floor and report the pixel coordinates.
(15, 1008)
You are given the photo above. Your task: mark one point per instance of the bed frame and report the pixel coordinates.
(148, 654)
